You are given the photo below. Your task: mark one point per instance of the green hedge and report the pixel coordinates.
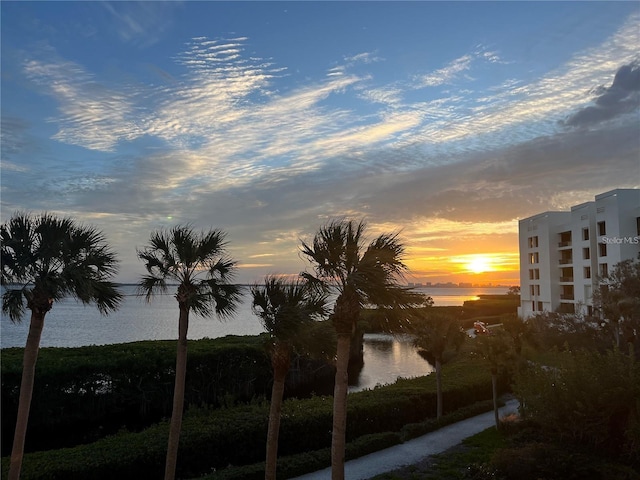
(82, 394)
(300, 464)
(215, 439)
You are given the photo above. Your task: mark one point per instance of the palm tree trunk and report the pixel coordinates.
(439, 388)
(279, 374)
(616, 333)
(178, 395)
(338, 439)
(494, 388)
(26, 392)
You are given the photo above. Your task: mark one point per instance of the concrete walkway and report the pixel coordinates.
(414, 450)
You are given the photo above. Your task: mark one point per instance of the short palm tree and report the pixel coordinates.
(439, 335)
(497, 349)
(285, 309)
(199, 264)
(44, 259)
(362, 275)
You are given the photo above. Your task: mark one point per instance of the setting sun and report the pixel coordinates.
(479, 264)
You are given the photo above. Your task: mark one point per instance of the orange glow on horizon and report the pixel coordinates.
(475, 268)
(447, 251)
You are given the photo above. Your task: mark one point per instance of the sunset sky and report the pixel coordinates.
(448, 121)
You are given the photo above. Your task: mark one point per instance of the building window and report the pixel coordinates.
(604, 270)
(537, 289)
(532, 290)
(533, 242)
(638, 226)
(586, 253)
(566, 257)
(567, 292)
(531, 274)
(566, 274)
(536, 274)
(539, 306)
(602, 228)
(534, 257)
(602, 249)
(533, 306)
(565, 239)
(585, 234)
(587, 272)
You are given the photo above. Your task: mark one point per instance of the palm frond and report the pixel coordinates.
(57, 257)
(198, 262)
(18, 250)
(285, 307)
(362, 277)
(13, 304)
(150, 285)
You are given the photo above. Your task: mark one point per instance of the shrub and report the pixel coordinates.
(215, 438)
(588, 398)
(82, 394)
(534, 460)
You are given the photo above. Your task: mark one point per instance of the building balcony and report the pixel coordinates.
(565, 261)
(566, 296)
(566, 279)
(564, 244)
(567, 308)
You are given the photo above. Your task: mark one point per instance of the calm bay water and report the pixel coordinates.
(70, 324)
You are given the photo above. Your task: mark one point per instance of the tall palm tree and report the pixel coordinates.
(361, 275)
(438, 335)
(285, 309)
(199, 264)
(44, 259)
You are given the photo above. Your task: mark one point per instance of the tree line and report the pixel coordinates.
(46, 258)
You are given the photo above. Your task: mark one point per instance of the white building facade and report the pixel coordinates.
(562, 254)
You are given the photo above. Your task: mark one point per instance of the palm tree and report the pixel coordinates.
(361, 276)
(198, 263)
(284, 310)
(437, 336)
(44, 259)
(497, 349)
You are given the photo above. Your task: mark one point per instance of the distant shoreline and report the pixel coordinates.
(444, 285)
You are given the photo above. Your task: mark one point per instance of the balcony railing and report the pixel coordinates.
(565, 261)
(566, 296)
(566, 279)
(564, 244)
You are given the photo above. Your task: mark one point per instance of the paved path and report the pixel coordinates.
(414, 450)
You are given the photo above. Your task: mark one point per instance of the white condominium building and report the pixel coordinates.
(562, 254)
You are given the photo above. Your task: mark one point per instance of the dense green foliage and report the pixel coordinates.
(216, 438)
(490, 306)
(587, 398)
(299, 464)
(84, 393)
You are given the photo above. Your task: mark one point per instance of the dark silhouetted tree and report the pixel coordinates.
(44, 259)
(361, 274)
(199, 264)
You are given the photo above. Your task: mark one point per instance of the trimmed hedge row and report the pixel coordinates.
(300, 464)
(82, 394)
(215, 439)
